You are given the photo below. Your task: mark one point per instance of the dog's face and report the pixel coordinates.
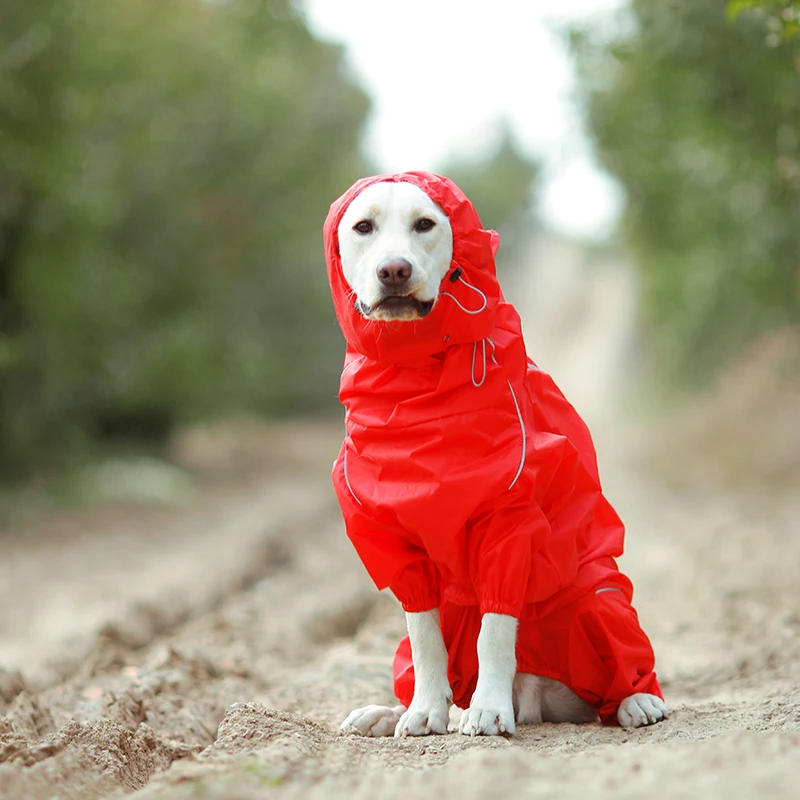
(396, 245)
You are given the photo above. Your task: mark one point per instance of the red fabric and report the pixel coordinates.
(477, 498)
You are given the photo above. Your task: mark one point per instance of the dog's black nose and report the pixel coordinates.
(394, 273)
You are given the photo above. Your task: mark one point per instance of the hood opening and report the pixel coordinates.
(468, 295)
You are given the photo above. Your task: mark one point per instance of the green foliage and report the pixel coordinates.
(782, 17)
(165, 167)
(701, 124)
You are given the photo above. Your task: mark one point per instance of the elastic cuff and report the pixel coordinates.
(417, 606)
(501, 607)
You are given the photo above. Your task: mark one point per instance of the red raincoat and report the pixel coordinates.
(468, 482)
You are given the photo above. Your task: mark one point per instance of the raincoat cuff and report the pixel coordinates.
(416, 586)
(417, 606)
(501, 607)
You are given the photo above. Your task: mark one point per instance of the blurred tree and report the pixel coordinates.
(782, 16)
(500, 186)
(701, 124)
(165, 167)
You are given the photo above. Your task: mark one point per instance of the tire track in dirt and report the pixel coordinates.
(156, 685)
(127, 584)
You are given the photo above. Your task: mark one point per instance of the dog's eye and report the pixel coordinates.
(365, 226)
(424, 224)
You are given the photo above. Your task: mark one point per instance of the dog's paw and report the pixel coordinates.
(372, 721)
(480, 721)
(423, 721)
(641, 709)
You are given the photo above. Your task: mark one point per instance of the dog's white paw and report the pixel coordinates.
(641, 709)
(372, 721)
(423, 721)
(479, 721)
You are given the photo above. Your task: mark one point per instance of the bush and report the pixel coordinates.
(165, 168)
(700, 122)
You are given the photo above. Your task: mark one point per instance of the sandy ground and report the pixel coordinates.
(212, 650)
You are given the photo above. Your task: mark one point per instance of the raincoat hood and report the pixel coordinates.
(472, 268)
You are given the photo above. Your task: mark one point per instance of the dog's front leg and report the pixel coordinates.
(491, 710)
(430, 706)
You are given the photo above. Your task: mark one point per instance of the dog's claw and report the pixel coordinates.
(486, 722)
(423, 723)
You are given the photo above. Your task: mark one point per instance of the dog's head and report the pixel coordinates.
(410, 266)
(396, 245)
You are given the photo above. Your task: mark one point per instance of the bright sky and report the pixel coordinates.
(442, 73)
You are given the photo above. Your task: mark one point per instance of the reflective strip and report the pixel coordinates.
(489, 339)
(610, 589)
(524, 437)
(347, 479)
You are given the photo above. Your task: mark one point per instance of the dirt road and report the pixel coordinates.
(211, 651)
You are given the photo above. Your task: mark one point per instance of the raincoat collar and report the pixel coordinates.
(460, 315)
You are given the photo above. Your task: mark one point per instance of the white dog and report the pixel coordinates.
(396, 246)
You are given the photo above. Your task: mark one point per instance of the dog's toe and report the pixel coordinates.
(372, 721)
(476, 721)
(422, 722)
(640, 710)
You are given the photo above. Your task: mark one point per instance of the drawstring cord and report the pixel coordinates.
(475, 383)
(457, 276)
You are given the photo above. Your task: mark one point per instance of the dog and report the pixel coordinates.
(469, 485)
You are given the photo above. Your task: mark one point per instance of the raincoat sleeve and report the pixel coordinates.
(389, 554)
(505, 541)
